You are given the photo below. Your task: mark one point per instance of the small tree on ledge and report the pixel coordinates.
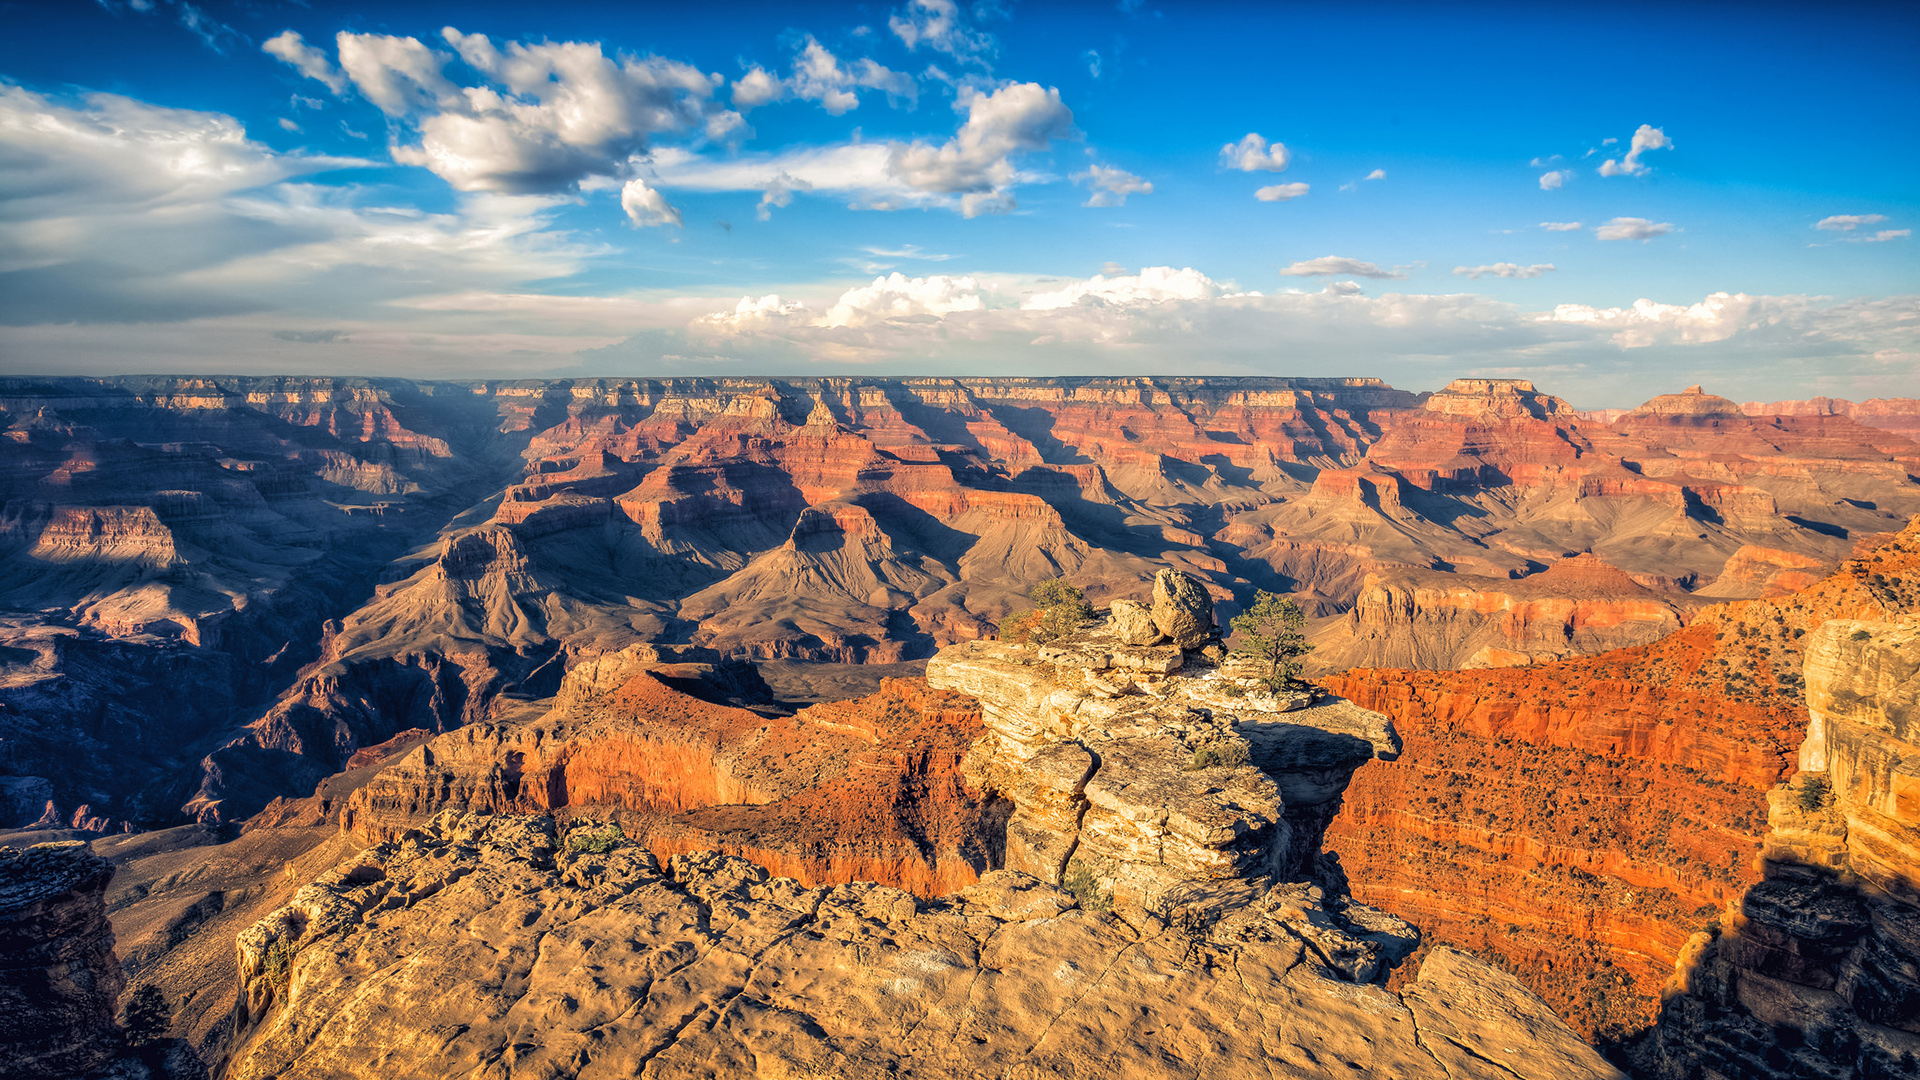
(1062, 609)
(1273, 632)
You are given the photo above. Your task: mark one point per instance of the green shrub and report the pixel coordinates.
(1219, 755)
(1860, 635)
(595, 841)
(1815, 789)
(1062, 608)
(277, 964)
(1084, 884)
(146, 1017)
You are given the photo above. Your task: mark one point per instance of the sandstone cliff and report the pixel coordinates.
(59, 979)
(1816, 969)
(1580, 820)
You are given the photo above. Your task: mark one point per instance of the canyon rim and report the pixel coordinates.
(958, 539)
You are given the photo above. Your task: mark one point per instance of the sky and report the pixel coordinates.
(1612, 200)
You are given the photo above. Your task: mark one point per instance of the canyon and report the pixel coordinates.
(321, 564)
(391, 641)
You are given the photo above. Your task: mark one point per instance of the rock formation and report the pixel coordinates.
(327, 562)
(59, 979)
(1816, 969)
(1578, 821)
(493, 943)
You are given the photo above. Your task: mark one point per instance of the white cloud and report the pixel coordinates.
(1884, 235)
(1254, 154)
(1281, 192)
(288, 125)
(1109, 186)
(756, 88)
(750, 312)
(646, 206)
(897, 296)
(1377, 174)
(1560, 226)
(1646, 138)
(819, 76)
(1555, 180)
(976, 163)
(1717, 318)
(1632, 228)
(779, 192)
(1505, 270)
(309, 61)
(1152, 285)
(548, 116)
(1848, 222)
(397, 74)
(121, 212)
(1334, 264)
(940, 26)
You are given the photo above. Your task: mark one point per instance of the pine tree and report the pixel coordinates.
(1273, 632)
(146, 1018)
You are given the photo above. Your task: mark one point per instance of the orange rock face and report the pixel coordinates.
(1580, 820)
(865, 790)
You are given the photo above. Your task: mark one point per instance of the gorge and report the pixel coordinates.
(331, 648)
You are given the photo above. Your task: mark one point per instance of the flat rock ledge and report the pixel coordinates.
(483, 946)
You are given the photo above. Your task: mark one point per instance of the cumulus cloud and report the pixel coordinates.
(546, 117)
(1152, 285)
(290, 47)
(976, 163)
(1109, 186)
(1560, 226)
(1254, 154)
(1717, 318)
(898, 296)
(939, 25)
(756, 88)
(1329, 265)
(1848, 222)
(1505, 270)
(1377, 174)
(645, 206)
(1281, 192)
(1632, 228)
(1645, 139)
(818, 75)
(1556, 179)
(750, 312)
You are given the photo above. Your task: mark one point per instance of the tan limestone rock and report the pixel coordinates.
(1132, 623)
(1182, 609)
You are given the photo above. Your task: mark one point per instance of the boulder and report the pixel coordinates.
(1182, 609)
(1132, 623)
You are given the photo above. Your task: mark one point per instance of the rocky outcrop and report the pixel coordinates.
(494, 943)
(1816, 969)
(1137, 771)
(1898, 415)
(59, 979)
(1182, 610)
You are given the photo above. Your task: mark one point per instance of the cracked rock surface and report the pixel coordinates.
(481, 946)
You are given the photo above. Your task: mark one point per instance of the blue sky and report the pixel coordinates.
(527, 190)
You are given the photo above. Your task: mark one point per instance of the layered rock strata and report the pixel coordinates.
(865, 790)
(1579, 821)
(1816, 970)
(494, 946)
(59, 979)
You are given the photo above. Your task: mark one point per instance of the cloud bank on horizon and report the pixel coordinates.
(935, 187)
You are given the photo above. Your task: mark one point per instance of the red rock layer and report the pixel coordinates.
(865, 790)
(1580, 820)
